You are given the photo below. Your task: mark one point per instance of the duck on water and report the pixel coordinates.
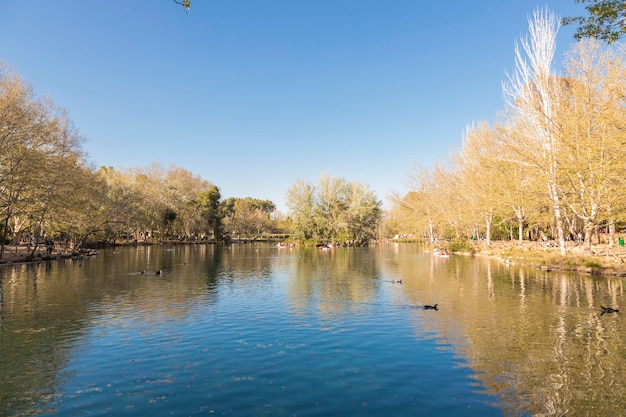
(606, 310)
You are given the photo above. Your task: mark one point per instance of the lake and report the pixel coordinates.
(253, 330)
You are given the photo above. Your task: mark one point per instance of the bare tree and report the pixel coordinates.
(532, 91)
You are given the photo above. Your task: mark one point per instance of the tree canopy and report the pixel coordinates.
(185, 3)
(334, 209)
(550, 168)
(605, 20)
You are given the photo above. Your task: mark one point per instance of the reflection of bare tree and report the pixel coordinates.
(535, 338)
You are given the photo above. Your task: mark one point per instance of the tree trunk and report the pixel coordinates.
(611, 233)
(4, 235)
(431, 231)
(588, 233)
(556, 204)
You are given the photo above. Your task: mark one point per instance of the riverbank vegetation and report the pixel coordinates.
(549, 169)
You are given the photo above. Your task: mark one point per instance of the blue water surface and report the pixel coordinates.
(245, 331)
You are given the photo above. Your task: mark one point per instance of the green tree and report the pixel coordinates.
(362, 212)
(167, 219)
(330, 206)
(185, 3)
(333, 210)
(209, 201)
(605, 20)
(248, 217)
(301, 205)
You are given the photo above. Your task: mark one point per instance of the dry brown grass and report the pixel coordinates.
(601, 259)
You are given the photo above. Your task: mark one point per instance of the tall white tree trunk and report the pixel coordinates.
(531, 93)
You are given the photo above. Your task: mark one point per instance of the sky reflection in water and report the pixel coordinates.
(254, 330)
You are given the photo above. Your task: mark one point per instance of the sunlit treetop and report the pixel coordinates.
(606, 20)
(185, 3)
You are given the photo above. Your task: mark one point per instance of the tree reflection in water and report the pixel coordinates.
(534, 339)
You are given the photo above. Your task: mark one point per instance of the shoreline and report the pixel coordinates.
(603, 259)
(21, 255)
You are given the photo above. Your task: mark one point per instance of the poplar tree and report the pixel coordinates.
(532, 91)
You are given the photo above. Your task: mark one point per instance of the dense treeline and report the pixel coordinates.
(49, 191)
(551, 166)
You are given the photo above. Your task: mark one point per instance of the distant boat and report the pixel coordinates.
(442, 253)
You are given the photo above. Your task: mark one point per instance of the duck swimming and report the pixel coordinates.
(429, 307)
(609, 310)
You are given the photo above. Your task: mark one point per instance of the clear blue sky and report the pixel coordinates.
(254, 94)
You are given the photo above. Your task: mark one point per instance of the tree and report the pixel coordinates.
(248, 216)
(181, 188)
(591, 118)
(167, 218)
(333, 210)
(105, 207)
(533, 92)
(40, 150)
(482, 174)
(522, 191)
(301, 204)
(330, 205)
(453, 208)
(209, 201)
(605, 20)
(185, 3)
(362, 212)
(59, 161)
(418, 209)
(21, 120)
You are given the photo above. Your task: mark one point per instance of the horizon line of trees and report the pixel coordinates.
(552, 165)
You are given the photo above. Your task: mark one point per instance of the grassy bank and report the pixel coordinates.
(602, 259)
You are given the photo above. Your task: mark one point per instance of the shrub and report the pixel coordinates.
(460, 245)
(592, 264)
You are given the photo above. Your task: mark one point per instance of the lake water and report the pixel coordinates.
(253, 330)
